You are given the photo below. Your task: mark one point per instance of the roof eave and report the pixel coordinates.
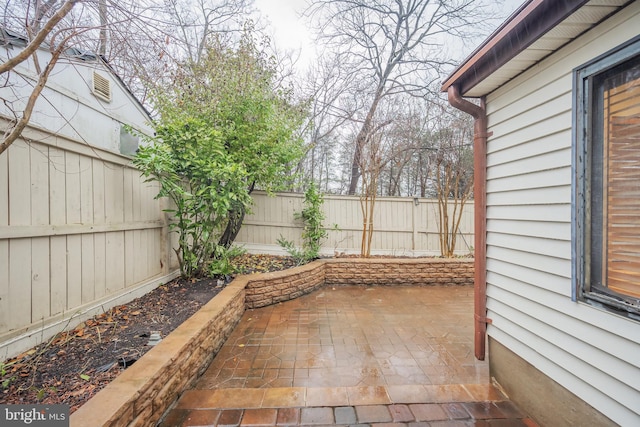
(526, 25)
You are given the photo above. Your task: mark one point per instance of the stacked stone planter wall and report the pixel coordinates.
(141, 394)
(401, 271)
(272, 288)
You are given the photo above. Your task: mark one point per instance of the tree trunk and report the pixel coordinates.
(234, 223)
(355, 168)
(102, 11)
(235, 218)
(361, 140)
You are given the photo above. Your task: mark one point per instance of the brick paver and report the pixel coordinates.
(373, 414)
(345, 415)
(316, 416)
(401, 413)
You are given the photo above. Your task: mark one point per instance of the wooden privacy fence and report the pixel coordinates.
(79, 233)
(403, 226)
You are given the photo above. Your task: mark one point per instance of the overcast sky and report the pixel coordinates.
(289, 31)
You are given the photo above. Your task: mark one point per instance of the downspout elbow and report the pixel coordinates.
(480, 135)
(476, 111)
(456, 101)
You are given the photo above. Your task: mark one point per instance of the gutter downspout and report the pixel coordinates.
(480, 208)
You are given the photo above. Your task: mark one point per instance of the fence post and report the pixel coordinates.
(414, 220)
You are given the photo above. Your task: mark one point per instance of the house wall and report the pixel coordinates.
(401, 227)
(591, 353)
(79, 233)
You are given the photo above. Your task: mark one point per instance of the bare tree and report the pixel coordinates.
(395, 46)
(192, 22)
(159, 35)
(326, 87)
(374, 159)
(453, 175)
(371, 165)
(408, 132)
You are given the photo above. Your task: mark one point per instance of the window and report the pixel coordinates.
(607, 227)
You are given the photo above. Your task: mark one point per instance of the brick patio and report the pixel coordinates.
(350, 355)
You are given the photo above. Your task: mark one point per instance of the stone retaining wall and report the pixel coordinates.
(400, 271)
(272, 288)
(141, 394)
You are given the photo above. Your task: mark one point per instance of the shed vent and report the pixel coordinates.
(101, 87)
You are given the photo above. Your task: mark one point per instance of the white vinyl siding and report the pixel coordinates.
(593, 353)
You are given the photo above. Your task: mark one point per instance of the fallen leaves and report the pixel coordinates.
(250, 263)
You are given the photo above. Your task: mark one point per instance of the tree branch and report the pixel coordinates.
(39, 38)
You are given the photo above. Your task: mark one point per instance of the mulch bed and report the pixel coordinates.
(73, 366)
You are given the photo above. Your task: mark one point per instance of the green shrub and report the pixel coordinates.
(313, 232)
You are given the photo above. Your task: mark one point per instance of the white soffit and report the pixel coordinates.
(579, 22)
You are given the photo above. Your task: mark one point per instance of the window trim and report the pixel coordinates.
(583, 117)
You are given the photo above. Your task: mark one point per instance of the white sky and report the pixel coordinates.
(289, 31)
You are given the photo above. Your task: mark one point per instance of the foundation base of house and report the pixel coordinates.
(536, 394)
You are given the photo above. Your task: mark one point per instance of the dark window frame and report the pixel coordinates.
(587, 135)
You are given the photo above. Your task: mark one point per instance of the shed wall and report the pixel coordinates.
(591, 352)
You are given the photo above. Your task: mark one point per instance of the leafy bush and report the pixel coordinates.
(313, 232)
(221, 263)
(189, 161)
(225, 126)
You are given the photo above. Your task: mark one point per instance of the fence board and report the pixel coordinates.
(115, 261)
(135, 254)
(129, 249)
(138, 193)
(19, 184)
(72, 184)
(4, 190)
(127, 195)
(19, 282)
(155, 260)
(88, 268)
(40, 297)
(58, 271)
(100, 278)
(86, 190)
(74, 271)
(39, 191)
(5, 304)
(57, 187)
(114, 201)
(99, 215)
